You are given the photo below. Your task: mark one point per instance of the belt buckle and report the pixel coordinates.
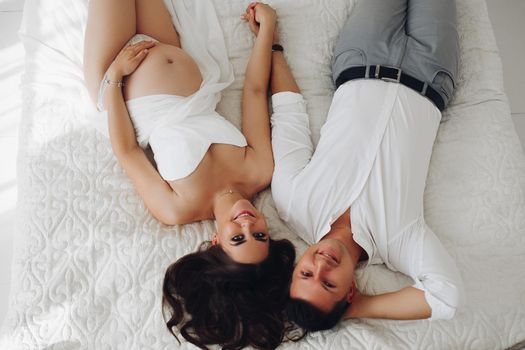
(392, 80)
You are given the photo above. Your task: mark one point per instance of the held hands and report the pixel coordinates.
(259, 14)
(128, 59)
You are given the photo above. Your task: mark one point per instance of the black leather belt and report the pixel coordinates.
(394, 75)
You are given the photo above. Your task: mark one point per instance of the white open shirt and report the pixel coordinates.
(373, 157)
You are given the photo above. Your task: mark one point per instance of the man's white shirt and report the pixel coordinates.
(372, 157)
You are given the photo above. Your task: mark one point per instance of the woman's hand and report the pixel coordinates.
(258, 14)
(128, 59)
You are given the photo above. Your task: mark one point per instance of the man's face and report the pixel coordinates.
(324, 275)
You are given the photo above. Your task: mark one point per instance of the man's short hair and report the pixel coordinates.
(310, 318)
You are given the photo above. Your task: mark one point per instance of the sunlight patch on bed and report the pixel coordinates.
(11, 63)
(8, 189)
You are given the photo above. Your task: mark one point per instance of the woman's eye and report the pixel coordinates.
(306, 274)
(259, 235)
(237, 238)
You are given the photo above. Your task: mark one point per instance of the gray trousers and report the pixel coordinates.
(418, 36)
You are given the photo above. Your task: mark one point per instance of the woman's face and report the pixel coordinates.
(243, 233)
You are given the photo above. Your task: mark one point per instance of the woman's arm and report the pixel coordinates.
(121, 131)
(158, 196)
(255, 113)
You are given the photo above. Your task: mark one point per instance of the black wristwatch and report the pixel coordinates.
(277, 47)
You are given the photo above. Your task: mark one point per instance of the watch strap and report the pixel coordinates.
(277, 47)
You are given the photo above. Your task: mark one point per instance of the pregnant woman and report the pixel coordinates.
(155, 93)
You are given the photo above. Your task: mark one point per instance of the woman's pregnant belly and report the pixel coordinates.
(167, 69)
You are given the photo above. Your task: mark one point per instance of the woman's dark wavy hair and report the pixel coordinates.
(212, 299)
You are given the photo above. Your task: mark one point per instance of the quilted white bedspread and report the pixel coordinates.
(89, 258)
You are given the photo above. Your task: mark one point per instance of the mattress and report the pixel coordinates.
(89, 259)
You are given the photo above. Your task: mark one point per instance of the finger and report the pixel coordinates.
(141, 55)
(253, 25)
(143, 44)
(147, 43)
(252, 5)
(253, 14)
(256, 5)
(251, 18)
(135, 49)
(132, 47)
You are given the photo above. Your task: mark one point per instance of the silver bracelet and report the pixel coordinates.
(117, 83)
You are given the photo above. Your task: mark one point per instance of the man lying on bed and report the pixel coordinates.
(359, 196)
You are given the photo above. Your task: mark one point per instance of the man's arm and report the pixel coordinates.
(438, 288)
(282, 79)
(406, 304)
(291, 142)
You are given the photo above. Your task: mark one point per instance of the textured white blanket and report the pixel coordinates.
(89, 258)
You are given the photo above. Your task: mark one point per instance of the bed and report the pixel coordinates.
(89, 259)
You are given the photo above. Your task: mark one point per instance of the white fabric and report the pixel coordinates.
(89, 259)
(180, 130)
(179, 140)
(372, 157)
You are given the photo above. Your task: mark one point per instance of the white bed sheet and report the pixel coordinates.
(89, 259)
